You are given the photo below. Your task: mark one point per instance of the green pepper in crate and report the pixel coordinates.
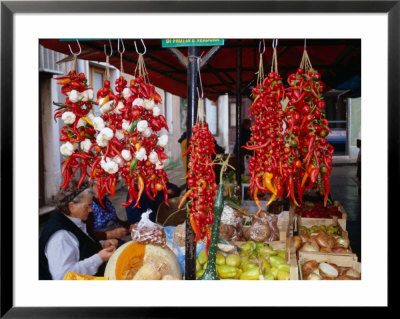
(283, 275)
(269, 277)
(220, 259)
(226, 271)
(276, 260)
(251, 274)
(202, 258)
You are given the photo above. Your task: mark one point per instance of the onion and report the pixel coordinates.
(297, 242)
(344, 242)
(322, 240)
(345, 277)
(312, 240)
(321, 232)
(338, 249)
(308, 267)
(325, 250)
(314, 276)
(328, 270)
(331, 242)
(334, 266)
(304, 237)
(352, 273)
(316, 271)
(310, 246)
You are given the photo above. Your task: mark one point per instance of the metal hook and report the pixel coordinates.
(201, 83)
(143, 47)
(259, 46)
(122, 46)
(274, 43)
(305, 44)
(105, 52)
(80, 49)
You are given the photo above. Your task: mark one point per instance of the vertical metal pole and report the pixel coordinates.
(192, 78)
(238, 114)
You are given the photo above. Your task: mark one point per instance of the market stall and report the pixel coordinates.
(263, 237)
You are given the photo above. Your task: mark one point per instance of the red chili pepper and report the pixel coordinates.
(314, 172)
(144, 90)
(291, 190)
(75, 85)
(165, 190)
(116, 151)
(141, 188)
(83, 174)
(260, 187)
(81, 155)
(255, 147)
(147, 190)
(113, 186)
(188, 150)
(132, 194)
(279, 186)
(300, 190)
(163, 122)
(100, 191)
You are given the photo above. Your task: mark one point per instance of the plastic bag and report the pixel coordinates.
(147, 232)
(231, 224)
(263, 228)
(179, 250)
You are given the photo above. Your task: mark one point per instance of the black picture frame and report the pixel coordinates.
(9, 8)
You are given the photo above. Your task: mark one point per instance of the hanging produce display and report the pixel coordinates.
(288, 135)
(266, 140)
(200, 180)
(123, 140)
(77, 129)
(307, 129)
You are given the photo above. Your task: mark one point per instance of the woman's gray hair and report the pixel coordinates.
(72, 194)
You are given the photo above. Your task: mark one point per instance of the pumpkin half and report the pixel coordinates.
(75, 276)
(134, 261)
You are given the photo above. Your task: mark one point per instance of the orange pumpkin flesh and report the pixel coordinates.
(130, 261)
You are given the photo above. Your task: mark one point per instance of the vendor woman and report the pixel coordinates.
(104, 220)
(66, 244)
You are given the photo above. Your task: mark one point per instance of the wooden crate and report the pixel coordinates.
(309, 222)
(322, 221)
(342, 221)
(341, 260)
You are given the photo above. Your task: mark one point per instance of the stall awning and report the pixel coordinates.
(336, 59)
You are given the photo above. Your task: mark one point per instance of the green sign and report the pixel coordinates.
(171, 43)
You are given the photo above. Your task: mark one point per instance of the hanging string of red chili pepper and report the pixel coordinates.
(77, 130)
(306, 111)
(266, 135)
(201, 181)
(295, 158)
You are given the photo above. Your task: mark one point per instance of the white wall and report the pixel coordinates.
(354, 121)
(223, 123)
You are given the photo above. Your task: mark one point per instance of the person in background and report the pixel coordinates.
(183, 141)
(104, 220)
(245, 133)
(134, 214)
(66, 244)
